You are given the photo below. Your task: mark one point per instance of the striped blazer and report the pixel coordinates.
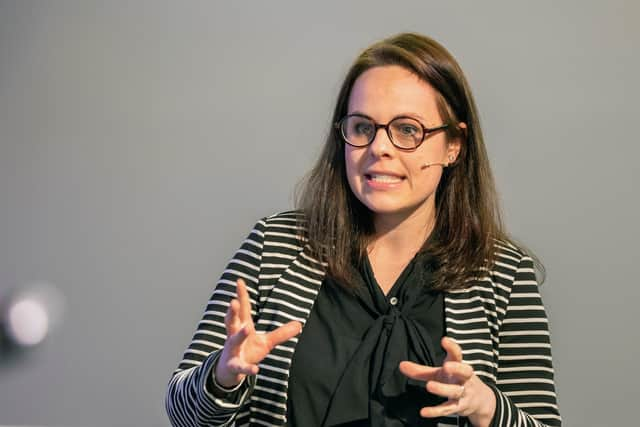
(499, 321)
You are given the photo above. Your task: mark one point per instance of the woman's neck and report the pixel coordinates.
(402, 233)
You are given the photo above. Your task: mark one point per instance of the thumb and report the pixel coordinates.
(454, 352)
(283, 333)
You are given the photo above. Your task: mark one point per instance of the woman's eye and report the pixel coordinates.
(408, 130)
(363, 128)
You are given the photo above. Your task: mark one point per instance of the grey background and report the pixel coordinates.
(141, 140)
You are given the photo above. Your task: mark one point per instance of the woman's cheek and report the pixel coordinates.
(352, 170)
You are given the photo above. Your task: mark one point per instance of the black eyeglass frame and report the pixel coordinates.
(425, 130)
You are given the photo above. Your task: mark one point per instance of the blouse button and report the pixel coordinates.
(393, 301)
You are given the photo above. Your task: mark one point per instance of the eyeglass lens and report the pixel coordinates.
(403, 131)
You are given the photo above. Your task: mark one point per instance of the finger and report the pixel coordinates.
(283, 333)
(454, 352)
(231, 319)
(243, 298)
(417, 371)
(239, 366)
(447, 408)
(235, 341)
(450, 391)
(456, 372)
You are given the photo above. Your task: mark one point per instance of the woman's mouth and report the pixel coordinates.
(385, 179)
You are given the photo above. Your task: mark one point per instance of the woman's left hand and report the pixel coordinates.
(455, 380)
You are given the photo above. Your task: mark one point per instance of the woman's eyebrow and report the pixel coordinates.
(359, 113)
(405, 114)
(410, 114)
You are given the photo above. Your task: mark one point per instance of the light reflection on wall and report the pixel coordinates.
(27, 316)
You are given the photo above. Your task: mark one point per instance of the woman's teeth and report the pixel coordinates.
(385, 178)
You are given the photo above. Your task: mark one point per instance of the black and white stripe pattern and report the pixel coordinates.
(499, 321)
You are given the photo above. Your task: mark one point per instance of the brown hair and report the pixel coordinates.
(338, 227)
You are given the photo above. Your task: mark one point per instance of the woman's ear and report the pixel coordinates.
(463, 128)
(455, 144)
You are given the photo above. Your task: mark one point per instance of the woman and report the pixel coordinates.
(392, 296)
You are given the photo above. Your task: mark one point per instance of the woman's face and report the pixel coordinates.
(389, 181)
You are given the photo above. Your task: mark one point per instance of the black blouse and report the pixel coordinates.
(345, 368)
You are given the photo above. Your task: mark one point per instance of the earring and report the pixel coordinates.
(451, 158)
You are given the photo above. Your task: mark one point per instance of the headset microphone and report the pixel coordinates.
(426, 165)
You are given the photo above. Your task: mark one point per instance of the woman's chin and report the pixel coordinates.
(389, 209)
(393, 209)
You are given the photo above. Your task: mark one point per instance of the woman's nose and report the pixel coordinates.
(381, 144)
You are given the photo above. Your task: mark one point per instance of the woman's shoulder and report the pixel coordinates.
(496, 283)
(508, 253)
(285, 227)
(289, 216)
(514, 262)
(291, 221)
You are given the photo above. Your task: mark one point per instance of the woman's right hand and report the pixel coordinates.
(244, 348)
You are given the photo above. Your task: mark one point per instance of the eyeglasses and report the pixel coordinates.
(405, 133)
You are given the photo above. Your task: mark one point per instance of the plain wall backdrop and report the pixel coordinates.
(141, 140)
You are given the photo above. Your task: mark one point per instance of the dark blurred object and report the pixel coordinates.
(27, 316)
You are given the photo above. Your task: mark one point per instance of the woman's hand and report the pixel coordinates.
(244, 348)
(466, 393)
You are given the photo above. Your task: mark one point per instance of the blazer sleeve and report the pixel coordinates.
(525, 390)
(188, 401)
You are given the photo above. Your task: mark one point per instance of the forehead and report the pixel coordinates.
(388, 91)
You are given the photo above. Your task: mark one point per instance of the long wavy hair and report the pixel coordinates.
(338, 227)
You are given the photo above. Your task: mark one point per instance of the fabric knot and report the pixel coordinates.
(390, 319)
